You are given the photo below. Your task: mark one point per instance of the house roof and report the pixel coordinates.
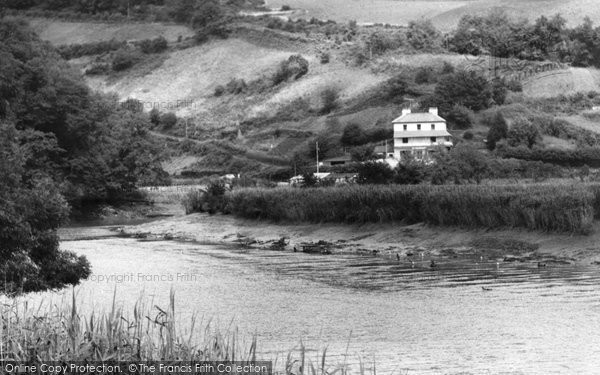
(419, 117)
(422, 134)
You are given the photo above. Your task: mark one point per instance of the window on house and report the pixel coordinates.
(418, 126)
(432, 126)
(433, 139)
(404, 140)
(404, 127)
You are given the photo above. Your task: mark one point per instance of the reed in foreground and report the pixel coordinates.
(537, 207)
(61, 333)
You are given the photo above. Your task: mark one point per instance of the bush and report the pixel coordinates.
(395, 88)
(155, 45)
(425, 74)
(124, 59)
(294, 67)
(73, 51)
(285, 8)
(236, 86)
(460, 117)
(468, 135)
(97, 69)
(523, 133)
(325, 57)
(154, 116)
(422, 35)
(353, 135)
(211, 200)
(374, 172)
(168, 120)
(329, 99)
(219, 90)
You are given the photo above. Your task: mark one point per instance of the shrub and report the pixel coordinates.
(395, 88)
(498, 129)
(154, 116)
(236, 86)
(73, 51)
(468, 135)
(219, 90)
(285, 8)
(325, 57)
(425, 74)
(423, 35)
(124, 59)
(353, 135)
(211, 200)
(97, 69)
(460, 117)
(168, 120)
(329, 99)
(294, 67)
(523, 132)
(155, 45)
(374, 172)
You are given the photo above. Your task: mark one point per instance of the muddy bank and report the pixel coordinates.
(385, 240)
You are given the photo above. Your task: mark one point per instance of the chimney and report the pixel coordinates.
(433, 110)
(405, 111)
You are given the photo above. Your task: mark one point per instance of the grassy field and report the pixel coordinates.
(534, 206)
(62, 32)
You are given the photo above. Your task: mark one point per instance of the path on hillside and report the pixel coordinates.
(259, 156)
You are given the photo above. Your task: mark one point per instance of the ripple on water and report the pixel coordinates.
(533, 321)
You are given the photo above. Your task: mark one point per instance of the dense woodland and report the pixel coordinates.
(62, 146)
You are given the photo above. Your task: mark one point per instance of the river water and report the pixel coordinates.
(407, 319)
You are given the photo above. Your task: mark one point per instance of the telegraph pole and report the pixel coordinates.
(317, 149)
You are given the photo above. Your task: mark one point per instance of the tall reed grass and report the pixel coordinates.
(61, 332)
(535, 206)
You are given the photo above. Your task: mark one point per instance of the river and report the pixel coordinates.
(405, 318)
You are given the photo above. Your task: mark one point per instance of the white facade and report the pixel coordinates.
(416, 135)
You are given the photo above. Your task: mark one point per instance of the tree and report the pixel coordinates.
(498, 130)
(499, 91)
(423, 35)
(353, 135)
(409, 172)
(362, 153)
(396, 87)
(466, 88)
(460, 117)
(523, 133)
(374, 172)
(168, 120)
(154, 116)
(329, 99)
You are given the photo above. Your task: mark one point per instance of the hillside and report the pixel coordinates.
(445, 14)
(62, 32)
(262, 128)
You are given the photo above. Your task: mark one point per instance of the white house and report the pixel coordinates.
(419, 134)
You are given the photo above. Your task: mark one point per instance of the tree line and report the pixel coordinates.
(62, 146)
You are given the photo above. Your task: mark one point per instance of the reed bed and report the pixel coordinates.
(50, 332)
(535, 206)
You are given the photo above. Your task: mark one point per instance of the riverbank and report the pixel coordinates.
(383, 240)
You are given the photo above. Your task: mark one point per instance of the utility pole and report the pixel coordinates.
(317, 149)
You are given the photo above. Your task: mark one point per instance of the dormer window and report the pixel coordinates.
(432, 126)
(404, 127)
(418, 126)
